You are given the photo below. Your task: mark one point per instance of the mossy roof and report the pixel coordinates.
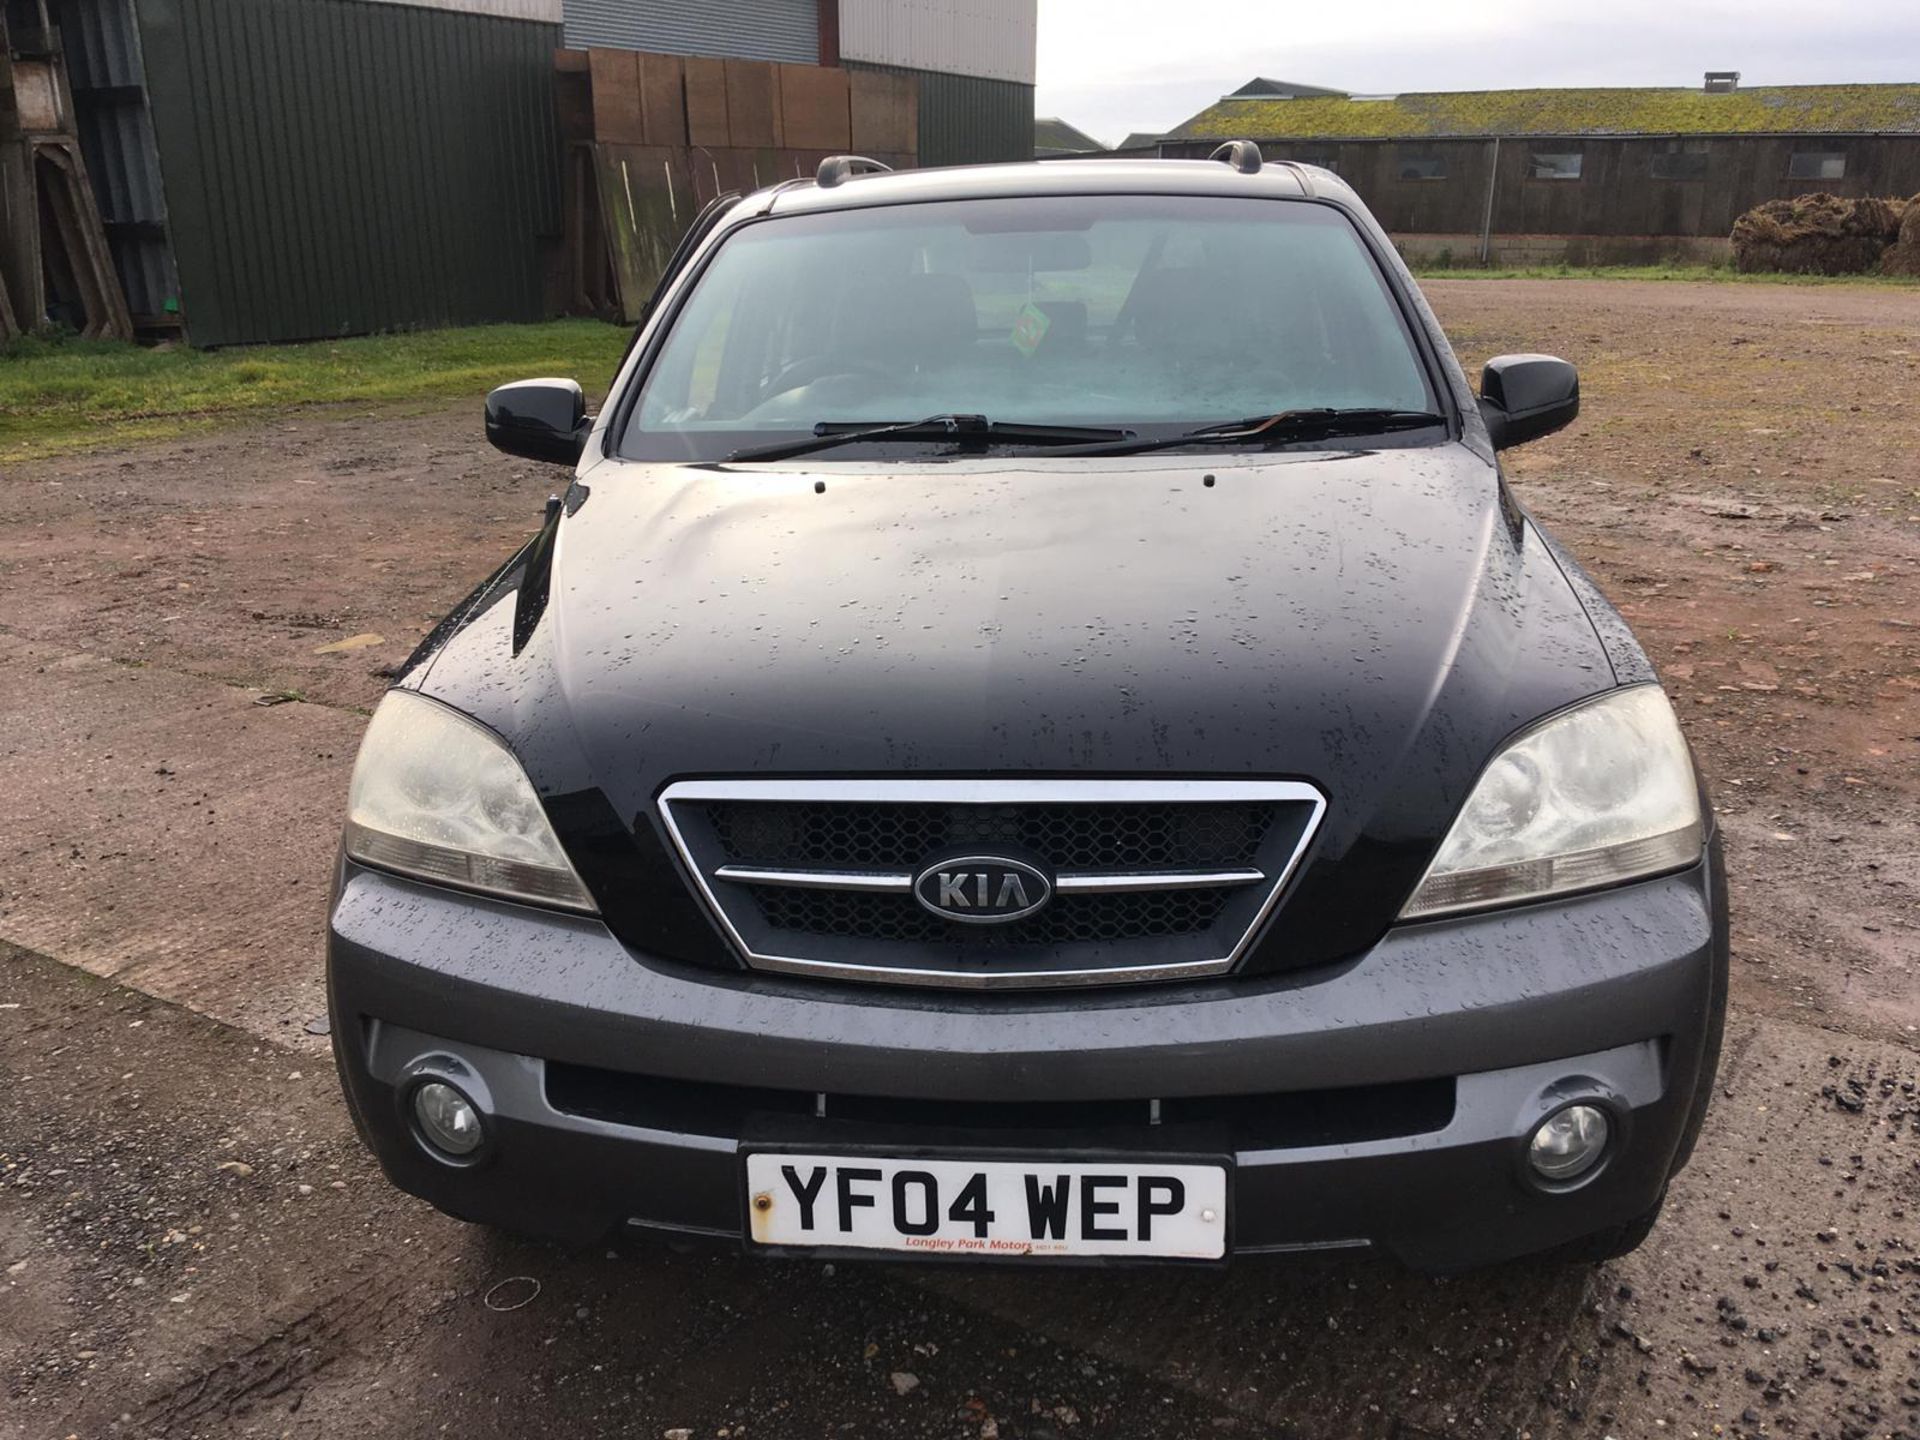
(1779, 110)
(1051, 133)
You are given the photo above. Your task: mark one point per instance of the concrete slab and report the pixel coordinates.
(169, 832)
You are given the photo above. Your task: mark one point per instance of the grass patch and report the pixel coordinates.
(1715, 274)
(60, 395)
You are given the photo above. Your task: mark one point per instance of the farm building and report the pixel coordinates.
(1055, 139)
(290, 169)
(1585, 176)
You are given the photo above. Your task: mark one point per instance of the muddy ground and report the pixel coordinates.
(191, 1242)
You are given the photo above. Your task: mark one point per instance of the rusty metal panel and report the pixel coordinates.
(884, 109)
(663, 99)
(753, 103)
(815, 111)
(706, 84)
(616, 97)
(334, 168)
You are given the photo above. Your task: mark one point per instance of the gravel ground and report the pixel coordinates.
(192, 1243)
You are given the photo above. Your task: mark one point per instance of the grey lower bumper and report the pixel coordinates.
(1614, 996)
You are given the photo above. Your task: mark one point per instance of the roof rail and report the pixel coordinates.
(1242, 155)
(1300, 174)
(836, 169)
(775, 191)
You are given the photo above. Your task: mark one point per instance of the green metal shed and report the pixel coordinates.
(298, 169)
(328, 167)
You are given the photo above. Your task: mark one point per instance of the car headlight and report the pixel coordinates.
(438, 796)
(1601, 793)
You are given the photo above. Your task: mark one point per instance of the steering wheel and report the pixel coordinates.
(809, 368)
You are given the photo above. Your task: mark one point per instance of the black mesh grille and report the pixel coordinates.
(813, 918)
(1070, 919)
(868, 836)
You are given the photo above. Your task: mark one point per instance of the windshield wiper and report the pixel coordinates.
(1282, 427)
(968, 431)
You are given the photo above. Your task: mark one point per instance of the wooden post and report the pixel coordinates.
(1486, 222)
(19, 246)
(9, 327)
(48, 200)
(78, 244)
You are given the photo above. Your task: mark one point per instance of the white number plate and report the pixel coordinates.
(988, 1207)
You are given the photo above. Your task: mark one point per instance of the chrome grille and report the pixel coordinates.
(1152, 879)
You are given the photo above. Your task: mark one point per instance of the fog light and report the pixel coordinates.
(448, 1122)
(1569, 1142)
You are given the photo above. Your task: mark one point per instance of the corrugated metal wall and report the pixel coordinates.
(740, 29)
(967, 120)
(548, 10)
(102, 44)
(335, 167)
(993, 39)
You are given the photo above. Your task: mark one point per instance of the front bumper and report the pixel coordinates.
(1299, 1078)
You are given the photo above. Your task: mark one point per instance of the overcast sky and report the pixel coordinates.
(1111, 66)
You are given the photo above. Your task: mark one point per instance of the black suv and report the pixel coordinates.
(1038, 729)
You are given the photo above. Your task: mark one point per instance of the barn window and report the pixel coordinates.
(1681, 160)
(1554, 164)
(1420, 167)
(1817, 165)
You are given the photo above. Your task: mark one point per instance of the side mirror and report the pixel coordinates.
(539, 420)
(1523, 397)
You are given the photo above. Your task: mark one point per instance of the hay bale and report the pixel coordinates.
(1873, 216)
(1903, 256)
(1816, 234)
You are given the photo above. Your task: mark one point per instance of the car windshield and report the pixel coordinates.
(1155, 314)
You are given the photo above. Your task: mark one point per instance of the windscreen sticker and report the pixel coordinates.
(1031, 328)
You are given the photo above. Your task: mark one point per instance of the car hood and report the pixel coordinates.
(1374, 622)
